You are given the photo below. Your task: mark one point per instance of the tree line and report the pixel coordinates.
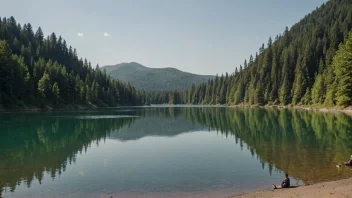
(162, 97)
(42, 71)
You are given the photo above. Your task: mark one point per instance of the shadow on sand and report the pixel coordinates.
(286, 187)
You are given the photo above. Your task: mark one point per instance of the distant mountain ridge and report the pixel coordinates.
(154, 79)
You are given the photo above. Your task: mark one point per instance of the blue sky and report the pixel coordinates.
(198, 36)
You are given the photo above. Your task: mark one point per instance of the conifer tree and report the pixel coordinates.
(56, 93)
(44, 86)
(300, 84)
(342, 63)
(318, 90)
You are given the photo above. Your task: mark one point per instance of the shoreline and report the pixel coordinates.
(47, 108)
(347, 110)
(338, 188)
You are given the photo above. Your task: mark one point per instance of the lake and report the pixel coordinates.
(168, 151)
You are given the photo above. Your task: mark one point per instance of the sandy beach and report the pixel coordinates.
(340, 188)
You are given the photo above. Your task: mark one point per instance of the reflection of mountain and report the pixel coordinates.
(155, 126)
(305, 144)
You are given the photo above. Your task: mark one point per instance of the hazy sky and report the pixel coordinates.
(198, 36)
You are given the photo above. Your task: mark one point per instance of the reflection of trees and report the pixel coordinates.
(306, 144)
(47, 145)
(163, 112)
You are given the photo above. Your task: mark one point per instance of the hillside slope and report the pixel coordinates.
(309, 64)
(154, 79)
(39, 72)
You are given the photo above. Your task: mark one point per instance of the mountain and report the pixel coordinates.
(154, 79)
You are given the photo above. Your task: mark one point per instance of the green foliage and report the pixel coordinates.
(342, 63)
(39, 71)
(318, 90)
(56, 93)
(330, 95)
(307, 98)
(284, 95)
(6, 73)
(162, 97)
(299, 67)
(301, 81)
(44, 86)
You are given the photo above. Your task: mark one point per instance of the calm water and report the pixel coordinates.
(168, 151)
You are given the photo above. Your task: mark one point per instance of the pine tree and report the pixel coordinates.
(318, 90)
(56, 93)
(285, 89)
(274, 78)
(39, 36)
(342, 63)
(306, 99)
(6, 73)
(301, 81)
(44, 86)
(284, 93)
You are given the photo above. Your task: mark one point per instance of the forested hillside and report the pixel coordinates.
(40, 71)
(309, 64)
(154, 79)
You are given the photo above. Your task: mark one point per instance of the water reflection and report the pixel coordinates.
(305, 144)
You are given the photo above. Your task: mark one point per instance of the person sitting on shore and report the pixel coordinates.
(349, 163)
(284, 184)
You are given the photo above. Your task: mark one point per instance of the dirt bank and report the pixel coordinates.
(340, 188)
(347, 110)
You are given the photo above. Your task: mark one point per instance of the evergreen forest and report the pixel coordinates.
(40, 72)
(309, 64)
